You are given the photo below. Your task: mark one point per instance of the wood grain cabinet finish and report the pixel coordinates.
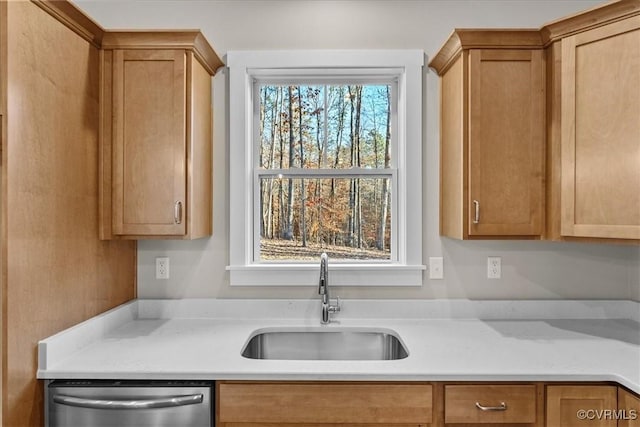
(566, 405)
(492, 142)
(156, 140)
(324, 404)
(600, 132)
(425, 404)
(54, 272)
(490, 404)
(553, 153)
(629, 405)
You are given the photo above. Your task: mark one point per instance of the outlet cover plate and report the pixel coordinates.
(436, 267)
(162, 267)
(494, 267)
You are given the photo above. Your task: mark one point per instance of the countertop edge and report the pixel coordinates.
(238, 376)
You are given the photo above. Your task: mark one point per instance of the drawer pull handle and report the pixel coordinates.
(502, 407)
(177, 213)
(476, 217)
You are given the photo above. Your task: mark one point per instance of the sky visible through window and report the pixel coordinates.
(314, 140)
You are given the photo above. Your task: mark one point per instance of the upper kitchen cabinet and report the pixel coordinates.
(492, 142)
(594, 134)
(156, 135)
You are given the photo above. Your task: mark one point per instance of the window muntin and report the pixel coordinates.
(324, 169)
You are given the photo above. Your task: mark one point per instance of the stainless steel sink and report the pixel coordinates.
(325, 344)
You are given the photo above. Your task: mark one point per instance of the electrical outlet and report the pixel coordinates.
(436, 268)
(494, 267)
(162, 267)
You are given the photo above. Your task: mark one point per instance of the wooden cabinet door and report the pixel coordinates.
(628, 409)
(149, 142)
(506, 142)
(600, 195)
(566, 406)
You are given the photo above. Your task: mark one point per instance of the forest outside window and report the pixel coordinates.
(325, 157)
(324, 170)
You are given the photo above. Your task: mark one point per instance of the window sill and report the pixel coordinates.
(340, 275)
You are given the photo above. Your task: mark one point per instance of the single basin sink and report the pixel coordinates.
(325, 344)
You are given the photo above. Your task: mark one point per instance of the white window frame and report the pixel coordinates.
(245, 67)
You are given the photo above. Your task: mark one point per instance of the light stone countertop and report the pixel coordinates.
(447, 340)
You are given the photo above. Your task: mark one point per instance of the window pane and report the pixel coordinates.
(325, 126)
(349, 218)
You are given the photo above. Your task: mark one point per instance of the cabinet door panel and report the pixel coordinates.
(149, 129)
(506, 142)
(630, 407)
(601, 132)
(565, 403)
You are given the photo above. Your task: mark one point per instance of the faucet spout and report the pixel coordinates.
(323, 290)
(323, 283)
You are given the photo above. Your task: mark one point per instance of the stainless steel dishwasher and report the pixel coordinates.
(103, 403)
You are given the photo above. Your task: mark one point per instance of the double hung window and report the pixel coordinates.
(325, 157)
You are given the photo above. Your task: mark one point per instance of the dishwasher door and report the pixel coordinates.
(130, 403)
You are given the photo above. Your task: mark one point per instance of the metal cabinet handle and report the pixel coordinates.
(476, 219)
(163, 402)
(177, 213)
(502, 407)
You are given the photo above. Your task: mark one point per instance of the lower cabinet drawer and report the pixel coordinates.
(325, 403)
(489, 404)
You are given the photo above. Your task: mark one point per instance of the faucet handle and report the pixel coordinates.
(335, 308)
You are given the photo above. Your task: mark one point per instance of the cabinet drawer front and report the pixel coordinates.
(325, 403)
(501, 403)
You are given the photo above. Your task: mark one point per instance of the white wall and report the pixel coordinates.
(530, 269)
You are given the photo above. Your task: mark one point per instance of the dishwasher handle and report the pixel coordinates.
(161, 402)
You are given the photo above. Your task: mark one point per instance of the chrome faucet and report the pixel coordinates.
(323, 289)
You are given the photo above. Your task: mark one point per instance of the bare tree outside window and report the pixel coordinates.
(324, 171)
